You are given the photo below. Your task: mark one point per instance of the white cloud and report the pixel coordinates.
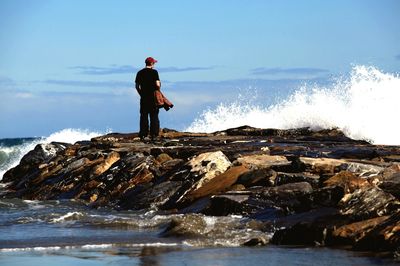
(24, 95)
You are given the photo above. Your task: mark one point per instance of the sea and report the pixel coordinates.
(363, 104)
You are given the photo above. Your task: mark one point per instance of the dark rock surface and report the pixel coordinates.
(304, 187)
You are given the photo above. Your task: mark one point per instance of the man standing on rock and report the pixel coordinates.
(147, 82)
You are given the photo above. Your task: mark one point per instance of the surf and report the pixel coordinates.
(362, 104)
(12, 150)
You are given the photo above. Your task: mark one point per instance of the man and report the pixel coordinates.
(147, 82)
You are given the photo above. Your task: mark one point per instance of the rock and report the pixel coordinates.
(287, 190)
(148, 196)
(263, 161)
(350, 234)
(368, 203)
(199, 171)
(258, 177)
(186, 226)
(41, 154)
(103, 166)
(288, 197)
(76, 164)
(384, 236)
(163, 157)
(324, 197)
(390, 171)
(391, 184)
(366, 152)
(206, 231)
(232, 203)
(320, 215)
(286, 178)
(208, 165)
(376, 234)
(170, 165)
(349, 181)
(323, 165)
(259, 241)
(217, 184)
(237, 187)
(364, 169)
(311, 228)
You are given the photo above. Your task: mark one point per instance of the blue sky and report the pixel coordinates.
(71, 64)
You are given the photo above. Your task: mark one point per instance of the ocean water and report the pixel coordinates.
(69, 233)
(363, 105)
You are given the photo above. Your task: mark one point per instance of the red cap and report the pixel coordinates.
(150, 60)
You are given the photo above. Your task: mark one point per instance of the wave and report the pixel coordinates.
(362, 105)
(12, 150)
(90, 246)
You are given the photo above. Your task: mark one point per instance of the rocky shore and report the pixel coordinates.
(304, 187)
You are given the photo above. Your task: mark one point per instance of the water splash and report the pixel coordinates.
(363, 106)
(13, 154)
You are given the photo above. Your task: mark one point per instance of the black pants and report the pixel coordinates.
(147, 111)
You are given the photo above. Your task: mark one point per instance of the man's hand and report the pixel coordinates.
(137, 86)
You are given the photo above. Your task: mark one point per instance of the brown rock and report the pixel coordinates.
(349, 181)
(237, 187)
(46, 172)
(171, 164)
(309, 228)
(218, 183)
(71, 150)
(351, 233)
(102, 167)
(384, 236)
(258, 177)
(286, 178)
(391, 185)
(263, 161)
(76, 164)
(163, 157)
(92, 184)
(367, 203)
(93, 197)
(322, 165)
(143, 175)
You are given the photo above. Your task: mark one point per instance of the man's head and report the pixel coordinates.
(150, 61)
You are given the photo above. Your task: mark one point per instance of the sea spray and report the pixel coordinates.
(13, 152)
(363, 105)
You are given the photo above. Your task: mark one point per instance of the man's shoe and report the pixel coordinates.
(154, 138)
(144, 139)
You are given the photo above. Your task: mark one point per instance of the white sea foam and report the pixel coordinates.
(363, 106)
(71, 135)
(30, 249)
(68, 135)
(87, 247)
(68, 217)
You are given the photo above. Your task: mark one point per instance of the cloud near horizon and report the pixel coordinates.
(124, 69)
(5, 81)
(211, 86)
(288, 71)
(95, 84)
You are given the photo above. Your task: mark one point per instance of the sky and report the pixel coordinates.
(72, 64)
